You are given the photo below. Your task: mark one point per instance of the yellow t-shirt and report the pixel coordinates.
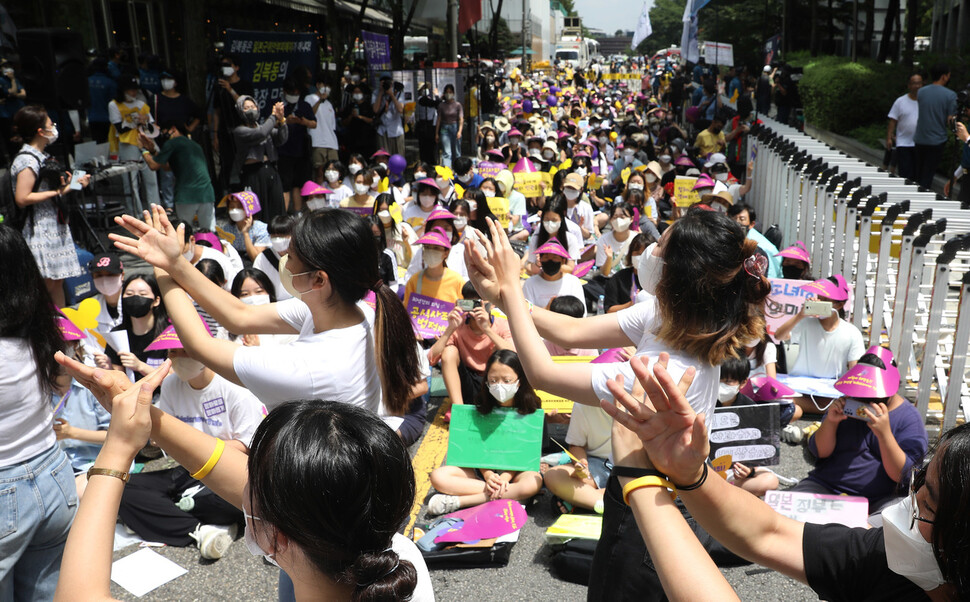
(708, 143)
(448, 289)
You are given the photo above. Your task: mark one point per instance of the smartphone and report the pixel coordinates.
(819, 309)
(76, 179)
(853, 409)
(468, 304)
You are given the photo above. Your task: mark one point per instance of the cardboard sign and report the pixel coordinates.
(575, 526)
(786, 300)
(546, 179)
(499, 207)
(491, 519)
(429, 316)
(749, 434)
(489, 169)
(719, 53)
(529, 183)
(556, 403)
(500, 440)
(684, 193)
(820, 509)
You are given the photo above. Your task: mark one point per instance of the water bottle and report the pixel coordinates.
(600, 306)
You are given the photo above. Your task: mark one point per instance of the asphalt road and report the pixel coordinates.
(528, 576)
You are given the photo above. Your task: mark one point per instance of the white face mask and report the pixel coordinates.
(52, 136)
(433, 258)
(603, 139)
(472, 205)
(461, 222)
(466, 178)
(622, 224)
(385, 216)
(442, 183)
(332, 175)
(237, 215)
(255, 300)
(168, 84)
(280, 244)
(570, 193)
(627, 153)
(907, 553)
(551, 226)
(317, 203)
(427, 200)
(635, 186)
(130, 98)
(726, 392)
(514, 140)
(665, 158)
(358, 97)
(651, 178)
(449, 96)
(503, 392)
(581, 172)
(190, 254)
(187, 368)
(489, 193)
(649, 270)
(227, 71)
(286, 279)
(420, 175)
(548, 155)
(703, 191)
(108, 286)
(361, 189)
(353, 168)
(376, 182)
(291, 98)
(324, 91)
(251, 544)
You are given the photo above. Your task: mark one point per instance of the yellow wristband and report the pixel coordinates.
(211, 463)
(648, 481)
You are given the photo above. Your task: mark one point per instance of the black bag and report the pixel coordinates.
(574, 561)
(13, 214)
(470, 558)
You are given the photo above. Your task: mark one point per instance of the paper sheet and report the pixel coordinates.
(118, 339)
(144, 571)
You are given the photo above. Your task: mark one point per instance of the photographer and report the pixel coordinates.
(39, 184)
(389, 109)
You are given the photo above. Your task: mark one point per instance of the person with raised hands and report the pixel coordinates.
(920, 552)
(343, 351)
(316, 451)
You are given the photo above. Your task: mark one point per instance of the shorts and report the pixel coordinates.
(598, 471)
(322, 155)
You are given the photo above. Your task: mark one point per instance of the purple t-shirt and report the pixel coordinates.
(855, 466)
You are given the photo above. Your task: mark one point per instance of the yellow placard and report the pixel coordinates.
(721, 465)
(575, 526)
(573, 359)
(226, 236)
(529, 184)
(499, 207)
(554, 403)
(684, 193)
(621, 76)
(594, 181)
(546, 179)
(395, 211)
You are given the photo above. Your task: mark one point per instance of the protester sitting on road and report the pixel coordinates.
(144, 317)
(250, 235)
(552, 282)
(505, 386)
(442, 219)
(582, 483)
(436, 280)
(623, 287)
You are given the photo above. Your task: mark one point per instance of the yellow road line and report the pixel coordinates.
(430, 455)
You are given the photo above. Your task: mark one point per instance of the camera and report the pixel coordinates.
(386, 85)
(468, 304)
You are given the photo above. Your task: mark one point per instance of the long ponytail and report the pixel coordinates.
(396, 350)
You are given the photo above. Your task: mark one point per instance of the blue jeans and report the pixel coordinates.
(38, 500)
(450, 147)
(166, 187)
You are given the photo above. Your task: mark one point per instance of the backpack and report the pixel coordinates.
(12, 214)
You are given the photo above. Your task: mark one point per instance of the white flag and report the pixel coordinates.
(688, 39)
(643, 27)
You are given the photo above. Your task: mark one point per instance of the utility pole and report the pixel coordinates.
(453, 31)
(523, 33)
(855, 27)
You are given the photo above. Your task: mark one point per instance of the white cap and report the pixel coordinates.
(715, 159)
(767, 69)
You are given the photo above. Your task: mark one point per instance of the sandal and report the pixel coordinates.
(561, 506)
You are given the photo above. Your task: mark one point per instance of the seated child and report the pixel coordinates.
(582, 483)
(505, 386)
(569, 306)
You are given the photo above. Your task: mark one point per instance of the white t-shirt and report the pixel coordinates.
(415, 216)
(619, 249)
(227, 268)
(338, 194)
(824, 354)
(325, 134)
(592, 429)
(581, 212)
(261, 263)
(516, 207)
(222, 409)
(573, 245)
(424, 371)
(541, 291)
(770, 356)
(335, 365)
(26, 415)
(408, 550)
(455, 261)
(638, 323)
(906, 113)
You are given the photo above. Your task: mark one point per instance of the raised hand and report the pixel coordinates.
(155, 239)
(131, 422)
(103, 384)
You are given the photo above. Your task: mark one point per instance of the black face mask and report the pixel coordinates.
(551, 267)
(716, 130)
(136, 307)
(791, 272)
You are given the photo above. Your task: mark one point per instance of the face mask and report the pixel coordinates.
(464, 179)
(186, 368)
(433, 258)
(442, 183)
(420, 175)
(331, 175)
(52, 136)
(361, 189)
(472, 205)
(548, 155)
(791, 272)
(665, 158)
(251, 544)
(551, 226)
(907, 553)
(354, 168)
(8, 72)
(489, 194)
(581, 172)
(650, 269)
(514, 141)
(286, 279)
(622, 224)
(551, 267)
(108, 285)
(168, 84)
(227, 71)
(427, 200)
(571, 194)
(503, 392)
(291, 98)
(461, 222)
(651, 178)
(726, 392)
(449, 96)
(358, 97)
(280, 244)
(237, 215)
(324, 91)
(129, 98)
(255, 300)
(603, 139)
(347, 74)
(635, 186)
(385, 216)
(314, 204)
(627, 154)
(489, 138)
(703, 191)
(721, 177)
(136, 306)
(535, 153)
(355, 78)
(251, 115)
(376, 182)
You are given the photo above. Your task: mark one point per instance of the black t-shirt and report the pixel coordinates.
(848, 564)
(137, 344)
(180, 109)
(619, 288)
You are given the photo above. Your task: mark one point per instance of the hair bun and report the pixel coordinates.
(382, 576)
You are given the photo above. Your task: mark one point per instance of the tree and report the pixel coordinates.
(892, 14)
(493, 32)
(402, 23)
(338, 35)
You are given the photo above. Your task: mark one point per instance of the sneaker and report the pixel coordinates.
(214, 540)
(792, 434)
(442, 504)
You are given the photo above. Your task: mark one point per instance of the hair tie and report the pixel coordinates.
(756, 265)
(377, 285)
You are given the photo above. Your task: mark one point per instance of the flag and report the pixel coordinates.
(688, 39)
(644, 29)
(697, 5)
(469, 13)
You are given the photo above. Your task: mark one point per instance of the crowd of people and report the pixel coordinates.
(272, 348)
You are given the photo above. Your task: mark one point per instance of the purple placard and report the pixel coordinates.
(429, 316)
(377, 47)
(362, 211)
(488, 169)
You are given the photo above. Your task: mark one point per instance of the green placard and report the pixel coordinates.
(501, 440)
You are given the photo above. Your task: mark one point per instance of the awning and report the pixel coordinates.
(370, 14)
(518, 51)
(306, 6)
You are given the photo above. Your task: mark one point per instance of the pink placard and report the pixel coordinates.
(819, 508)
(491, 519)
(786, 300)
(429, 316)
